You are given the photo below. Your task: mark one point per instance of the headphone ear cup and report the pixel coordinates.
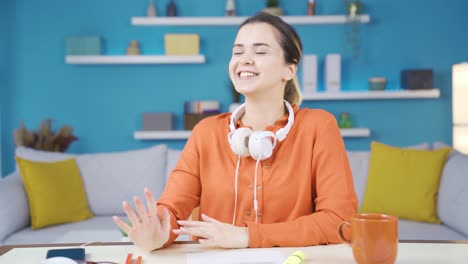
(239, 141)
(261, 145)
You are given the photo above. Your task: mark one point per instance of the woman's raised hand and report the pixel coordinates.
(148, 231)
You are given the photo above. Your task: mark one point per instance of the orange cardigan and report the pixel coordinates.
(304, 190)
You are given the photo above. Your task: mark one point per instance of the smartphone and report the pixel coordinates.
(72, 253)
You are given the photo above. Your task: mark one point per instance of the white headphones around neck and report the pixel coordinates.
(257, 144)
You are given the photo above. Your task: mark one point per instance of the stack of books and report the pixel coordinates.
(202, 107)
(197, 110)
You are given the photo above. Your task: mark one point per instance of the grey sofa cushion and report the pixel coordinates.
(359, 163)
(14, 207)
(452, 203)
(412, 230)
(110, 178)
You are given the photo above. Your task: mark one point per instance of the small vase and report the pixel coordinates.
(230, 8)
(133, 48)
(277, 11)
(171, 9)
(151, 10)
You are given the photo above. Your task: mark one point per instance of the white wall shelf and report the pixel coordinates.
(184, 134)
(355, 132)
(373, 95)
(226, 21)
(171, 134)
(133, 59)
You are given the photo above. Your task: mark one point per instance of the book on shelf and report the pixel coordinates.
(202, 107)
(197, 110)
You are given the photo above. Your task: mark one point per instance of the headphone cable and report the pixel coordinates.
(235, 190)
(255, 189)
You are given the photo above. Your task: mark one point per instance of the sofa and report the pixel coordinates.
(110, 178)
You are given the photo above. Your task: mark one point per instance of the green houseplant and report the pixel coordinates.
(353, 27)
(272, 7)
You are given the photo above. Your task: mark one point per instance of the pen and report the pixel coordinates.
(129, 259)
(139, 259)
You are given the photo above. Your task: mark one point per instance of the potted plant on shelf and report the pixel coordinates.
(273, 8)
(44, 138)
(353, 8)
(353, 27)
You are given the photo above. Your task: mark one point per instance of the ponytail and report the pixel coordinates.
(292, 92)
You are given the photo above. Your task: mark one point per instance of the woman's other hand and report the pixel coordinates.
(215, 233)
(148, 231)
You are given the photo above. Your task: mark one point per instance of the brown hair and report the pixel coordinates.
(292, 49)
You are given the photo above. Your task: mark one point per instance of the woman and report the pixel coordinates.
(270, 174)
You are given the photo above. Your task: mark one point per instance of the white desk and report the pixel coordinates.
(410, 253)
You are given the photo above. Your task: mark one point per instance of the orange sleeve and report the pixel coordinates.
(182, 191)
(335, 199)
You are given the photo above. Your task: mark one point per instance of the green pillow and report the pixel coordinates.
(55, 192)
(404, 182)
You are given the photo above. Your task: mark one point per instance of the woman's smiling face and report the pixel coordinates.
(257, 64)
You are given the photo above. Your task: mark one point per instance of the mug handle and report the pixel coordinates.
(340, 232)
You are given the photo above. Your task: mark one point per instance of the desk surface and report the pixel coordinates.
(177, 253)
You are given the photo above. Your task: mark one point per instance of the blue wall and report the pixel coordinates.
(6, 55)
(104, 103)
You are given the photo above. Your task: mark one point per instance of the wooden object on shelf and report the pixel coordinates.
(133, 48)
(190, 120)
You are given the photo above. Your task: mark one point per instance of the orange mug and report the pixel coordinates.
(374, 238)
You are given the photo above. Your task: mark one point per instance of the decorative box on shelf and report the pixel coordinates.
(84, 45)
(157, 121)
(182, 44)
(190, 120)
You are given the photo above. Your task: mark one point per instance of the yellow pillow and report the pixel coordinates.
(404, 182)
(55, 192)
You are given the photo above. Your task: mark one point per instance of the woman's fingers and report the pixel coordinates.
(124, 226)
(153, 210)
(140, 208)
(192, 223)
(195, 231)
(130, 214)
